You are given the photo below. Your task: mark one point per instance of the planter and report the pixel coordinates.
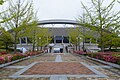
(9, 63)
(104, 62)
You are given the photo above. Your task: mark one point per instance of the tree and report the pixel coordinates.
(103, 18)
(39, 36)
(31, 31)
(6, 39)
(108, 39)
(1, 2)
(45, 37)
(116, 42)
(22, 14)
(75, 35)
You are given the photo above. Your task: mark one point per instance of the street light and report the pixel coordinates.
(40, 43)
(47, 40)
(77, 42)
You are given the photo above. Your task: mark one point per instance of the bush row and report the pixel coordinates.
(5, 58)
(113, 57)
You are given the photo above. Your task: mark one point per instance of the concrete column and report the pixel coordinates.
(62, 38)
(54, 40)
(90, 40)
(26, 40)
(69, 39)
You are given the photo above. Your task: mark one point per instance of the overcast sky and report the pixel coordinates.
(61, 9)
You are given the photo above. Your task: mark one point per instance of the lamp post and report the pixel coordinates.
(79, 38)
(47, 40)
(76, 42)
(83, 42)
(40, 43)
(79, 42)
(37, 44)
(83, 30)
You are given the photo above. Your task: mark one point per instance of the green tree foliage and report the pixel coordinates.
(31, 32)
(103, 18)
(116, 42)
(111, 40)
(1, 2)
(45, 36)
(6, 39)
(39, 36)
(21, 14)
(73, 34)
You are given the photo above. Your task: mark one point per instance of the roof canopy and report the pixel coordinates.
(58, 21)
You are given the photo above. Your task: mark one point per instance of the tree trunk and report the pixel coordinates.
(34, 41)
(37, 44)
(101, 26)
(33, 45)
(15, 43)
(83, 44)
(110, 48)
(16, 26)
(76, 46)
(102, 43)
(6, 48)
(41, 48)
(79, 47)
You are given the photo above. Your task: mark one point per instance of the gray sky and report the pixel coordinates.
(60, 9)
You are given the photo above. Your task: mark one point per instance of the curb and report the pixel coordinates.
(9, 63)
(104, 62)
(101, 61)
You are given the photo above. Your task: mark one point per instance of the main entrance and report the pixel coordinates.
(61, 34)
(61, 39)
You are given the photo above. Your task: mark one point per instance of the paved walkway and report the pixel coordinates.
(59, 67)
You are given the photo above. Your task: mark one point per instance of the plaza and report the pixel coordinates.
(59, 40)
(51, 66)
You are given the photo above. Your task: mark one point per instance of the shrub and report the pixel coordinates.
(11, 57)
(2, 53)
(2, 60)
(106, 56)
(80, 52)
(8, 58)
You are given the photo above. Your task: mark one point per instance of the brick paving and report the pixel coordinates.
(49, 58)
(55, 68)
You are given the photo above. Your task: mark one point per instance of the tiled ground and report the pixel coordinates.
(6, 72)
(71, 58)
(112, 73)
(45, 58)
(55, 68)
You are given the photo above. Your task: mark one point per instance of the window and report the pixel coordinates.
(23, 40)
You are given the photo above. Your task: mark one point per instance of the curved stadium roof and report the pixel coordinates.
(58, 21)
